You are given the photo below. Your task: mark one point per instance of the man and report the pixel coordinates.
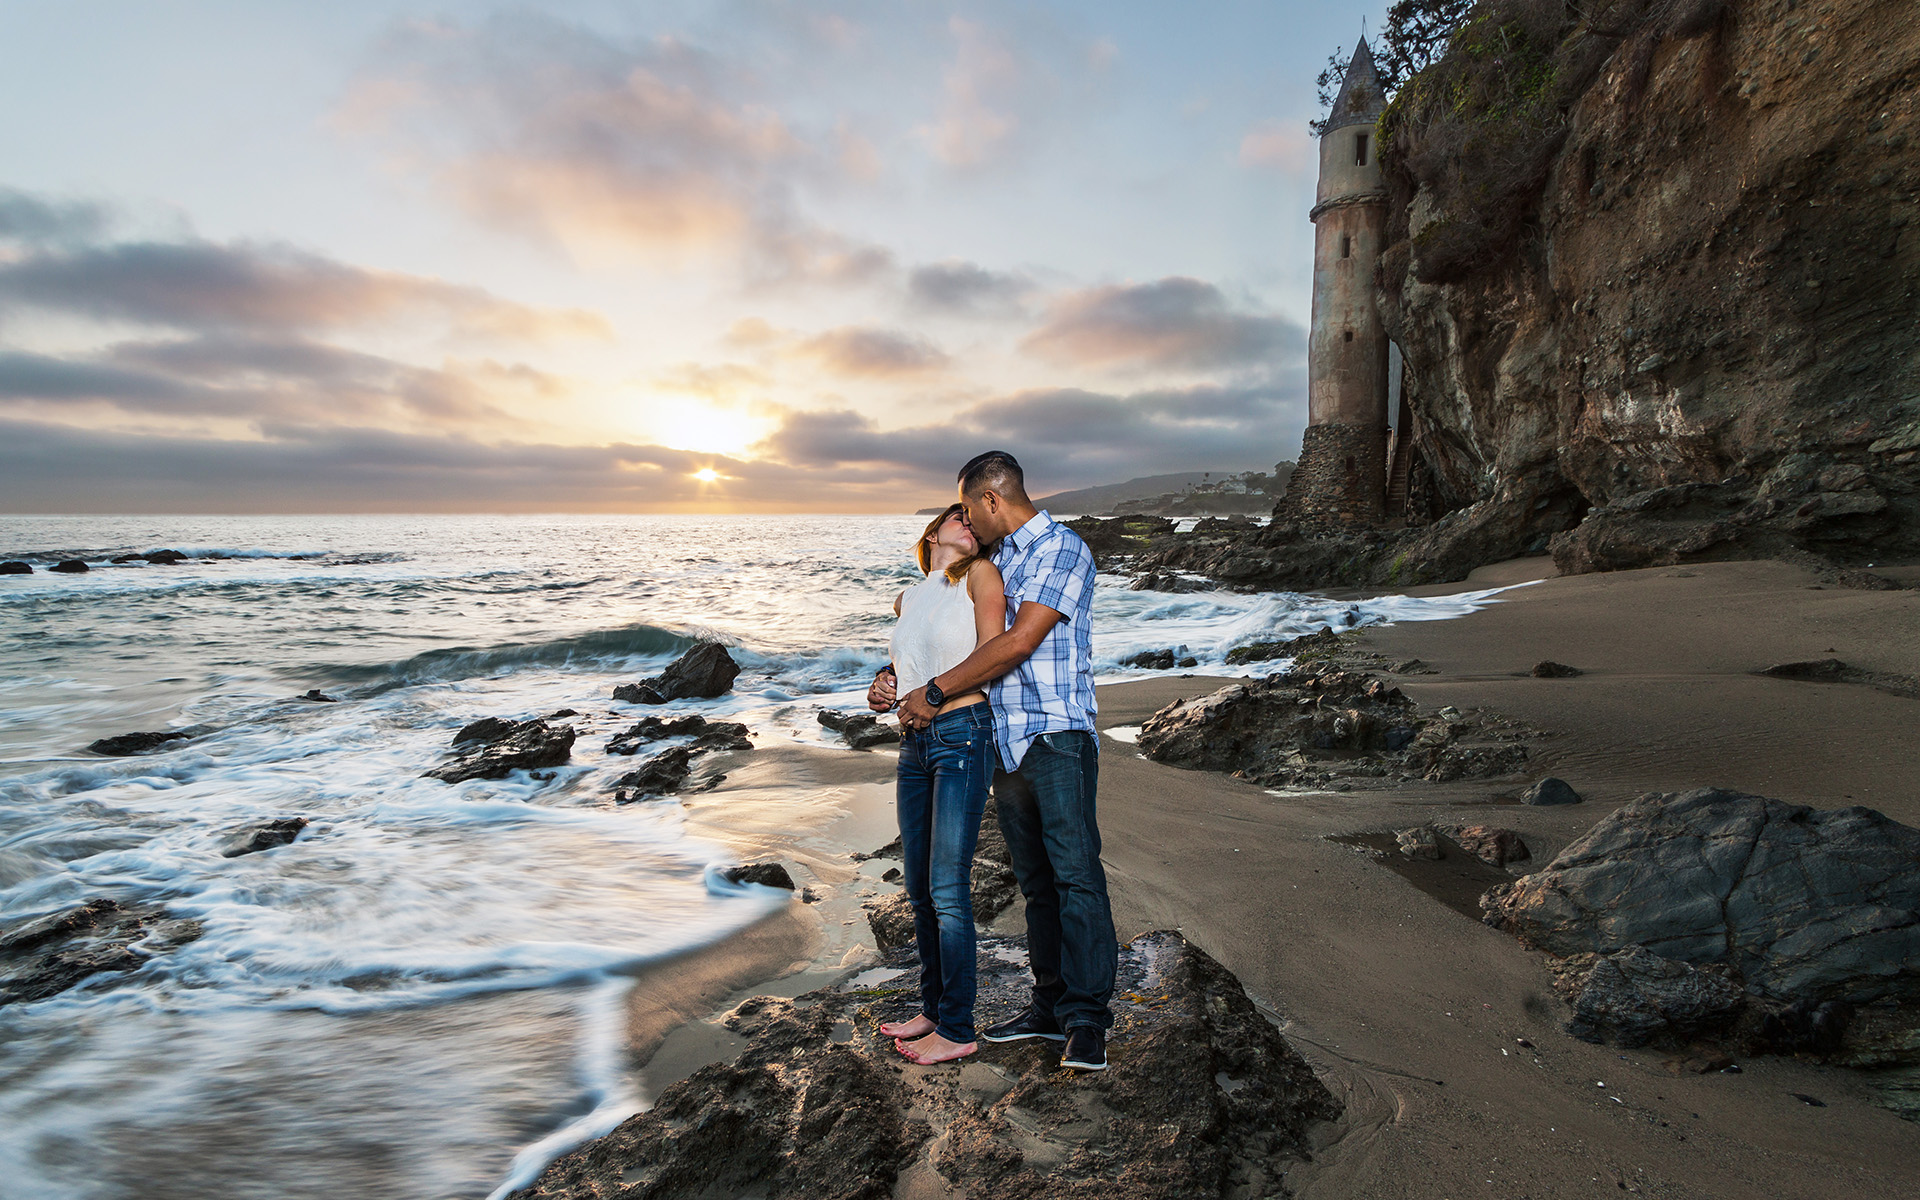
(1041, 670)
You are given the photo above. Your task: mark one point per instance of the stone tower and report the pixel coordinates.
(1341, 482)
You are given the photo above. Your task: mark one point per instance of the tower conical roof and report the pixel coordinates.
(1361, 100)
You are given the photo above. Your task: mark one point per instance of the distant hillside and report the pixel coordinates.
(1192, 493)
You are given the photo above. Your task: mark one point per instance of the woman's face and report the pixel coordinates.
(954, 532)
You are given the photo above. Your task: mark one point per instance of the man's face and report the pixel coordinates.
(979, 512)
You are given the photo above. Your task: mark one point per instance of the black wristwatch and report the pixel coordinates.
(935, 697)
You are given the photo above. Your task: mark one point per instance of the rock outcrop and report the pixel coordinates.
(46, 956)
(862, 731)
(701, 673)
(1801, 904)
(15, 567)
(251, 839)
(707, 735)
(126, 744)
(1317, 725)
(1203, 1098)
(494, 749)
(70, 566)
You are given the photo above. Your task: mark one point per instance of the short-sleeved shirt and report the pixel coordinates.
(1052, 691)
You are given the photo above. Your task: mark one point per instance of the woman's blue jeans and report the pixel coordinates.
(941, 792)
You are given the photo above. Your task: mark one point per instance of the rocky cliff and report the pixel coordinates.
(1655, 270)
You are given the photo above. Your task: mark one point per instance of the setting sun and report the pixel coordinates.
(706, 475)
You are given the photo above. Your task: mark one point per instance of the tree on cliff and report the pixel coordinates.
(1417, 33)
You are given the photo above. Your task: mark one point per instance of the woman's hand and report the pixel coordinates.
(881, 692)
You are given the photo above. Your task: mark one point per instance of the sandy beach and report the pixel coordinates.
(1442, 1037)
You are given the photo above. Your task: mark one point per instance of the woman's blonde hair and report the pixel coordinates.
(924, 553)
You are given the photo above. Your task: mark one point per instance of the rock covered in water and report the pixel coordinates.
(251, 839)
(485, 731)
(766, 874)
(165, 557)
(71, 566)
(15, 567)
(708, 735)
(494, 754)
(1151, 660)
(1316, 722)
(141, 743)
(1321, 644)
(1802, 904)
(701, 673)
(862, 731)
(47, 955)
(1203, 1095)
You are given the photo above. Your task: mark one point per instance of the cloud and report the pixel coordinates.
(722, 382)
(960, 287)
(1065, 437)
(864, 352)
(47, 467)
(28, 218)
(205, 285)
(1278, 145)
(982, 85)
(265, 379)
(1170, 323)
(658, 147)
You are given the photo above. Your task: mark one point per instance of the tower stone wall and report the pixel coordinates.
(1341, 482)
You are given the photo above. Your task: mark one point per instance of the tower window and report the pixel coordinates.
(1349, 335)
(1346, 245)
(1359, 149)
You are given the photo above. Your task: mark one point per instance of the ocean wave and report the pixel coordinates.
(600, 647)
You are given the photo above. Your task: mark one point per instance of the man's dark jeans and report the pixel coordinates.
(1047, 813)
(941, 790)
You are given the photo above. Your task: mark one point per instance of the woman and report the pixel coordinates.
(944, 773)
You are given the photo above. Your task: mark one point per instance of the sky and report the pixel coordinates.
(733, 255)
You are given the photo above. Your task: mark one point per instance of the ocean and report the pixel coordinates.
(424, 995)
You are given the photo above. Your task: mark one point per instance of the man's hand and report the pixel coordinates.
(880, 693)
(915, 712)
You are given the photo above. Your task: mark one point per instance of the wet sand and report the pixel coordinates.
(1414, 1013)
(1442, 1037)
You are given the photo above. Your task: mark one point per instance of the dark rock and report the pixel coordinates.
(1152, 660)
(891, 875)
(1112, 538)
(1306, 648)
(16, 567)
(526, 745)
(71, 566)
(1550, 791)
(890, 918)
(250, 839)
(1419, 842)
(862, 731)
(1488, 843)
(766, 874)
(122, 559)
(165, 557)
(1804, 904)
(1633, 997)
(1316, 723)
(1548, 669)
(140, 743)
(703, 672)
(994, 890)
(1832, 670)
(1169, 581)
(45, 956)
(320, 697)
(1412, 666)
(1188, 661)
(663, 773)
(1205, 1098)
(562, 714)
(709, 735)
(485, 731)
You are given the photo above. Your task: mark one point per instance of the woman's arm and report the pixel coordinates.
(989, 601)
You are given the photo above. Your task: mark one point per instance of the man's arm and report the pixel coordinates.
(988, 662)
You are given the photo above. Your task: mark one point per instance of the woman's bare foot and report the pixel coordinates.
(918, 1027)
(935, 1049)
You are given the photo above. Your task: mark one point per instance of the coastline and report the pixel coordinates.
(1443, 1037)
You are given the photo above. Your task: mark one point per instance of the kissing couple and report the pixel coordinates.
(992, 673)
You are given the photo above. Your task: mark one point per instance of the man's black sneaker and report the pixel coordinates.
(1029, 1024)
(1086, 1049)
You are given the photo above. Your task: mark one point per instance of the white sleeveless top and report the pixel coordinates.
(935, 632)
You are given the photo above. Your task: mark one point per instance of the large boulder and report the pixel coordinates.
(701, 673)
(1634, 997)
(526, 745)
(1803, 904)
(126, 744)
(71, 566)
(15, 567)
(1205, 1098)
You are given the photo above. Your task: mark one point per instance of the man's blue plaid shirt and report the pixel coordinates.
(1047, 563)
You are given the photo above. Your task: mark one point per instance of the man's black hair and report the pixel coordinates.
(998, 467)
